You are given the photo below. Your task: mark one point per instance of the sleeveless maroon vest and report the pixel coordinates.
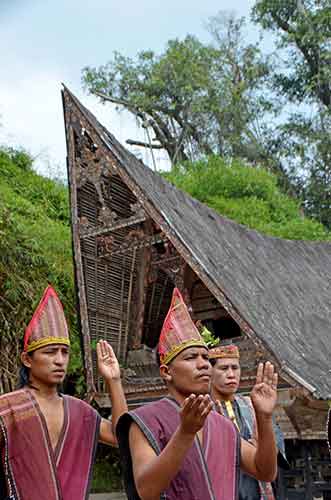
(31, 468)
(208, 472)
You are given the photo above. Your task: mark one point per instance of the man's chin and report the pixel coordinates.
(228, 392)
(202, 388)
(56, 380)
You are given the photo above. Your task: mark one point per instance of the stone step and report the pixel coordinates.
(108, 496)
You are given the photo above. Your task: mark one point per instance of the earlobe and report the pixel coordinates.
(25, 360)
(164, 372)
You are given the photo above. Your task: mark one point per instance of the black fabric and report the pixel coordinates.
(96, 441)
(4, 486)
(122, 432)
(3, 489)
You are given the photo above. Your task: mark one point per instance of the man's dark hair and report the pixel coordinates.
(23, 377)
(24, 373)
(212, 361)
(157, 356)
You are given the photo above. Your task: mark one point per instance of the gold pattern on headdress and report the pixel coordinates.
(224, 351)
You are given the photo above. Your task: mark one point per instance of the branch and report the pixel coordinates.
(114, 100)
(129, 105)
(284, 25)
(142, 114)
(194, 134)
(144, 144)
(158, 124)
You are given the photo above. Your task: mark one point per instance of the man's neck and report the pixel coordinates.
(44, 391)
(178, 396)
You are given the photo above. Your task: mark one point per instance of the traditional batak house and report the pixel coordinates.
(135, 237)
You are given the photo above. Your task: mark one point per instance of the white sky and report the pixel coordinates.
(46, 42)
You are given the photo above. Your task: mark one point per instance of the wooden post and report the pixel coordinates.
(281, 485)
(308, 474)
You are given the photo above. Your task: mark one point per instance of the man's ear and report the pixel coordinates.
(165, 373)
(26, 359)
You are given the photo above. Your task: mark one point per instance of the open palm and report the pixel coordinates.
(108, 366)
(264, 392)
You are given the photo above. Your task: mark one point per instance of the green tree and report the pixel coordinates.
(198, 99)
(302, 79)
(303, 28)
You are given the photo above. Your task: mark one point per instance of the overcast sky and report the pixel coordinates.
(46, 42)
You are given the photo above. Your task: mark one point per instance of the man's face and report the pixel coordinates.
(226, 376)
(48, 364)
(190, 371)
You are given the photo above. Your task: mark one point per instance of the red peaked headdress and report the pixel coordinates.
(48, 324)
(178, 331)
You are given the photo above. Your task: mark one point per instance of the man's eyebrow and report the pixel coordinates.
(192, 353)
(53, 348)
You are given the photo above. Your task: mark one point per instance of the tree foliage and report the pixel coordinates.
(198, 99)
(303, 29)
(302, 79)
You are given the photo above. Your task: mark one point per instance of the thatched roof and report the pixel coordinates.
(279, 289)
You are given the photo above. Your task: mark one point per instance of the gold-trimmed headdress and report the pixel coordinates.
(178, 331)
(224, 351)
(48, 324)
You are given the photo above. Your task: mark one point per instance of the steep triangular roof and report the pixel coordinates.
(279, 290)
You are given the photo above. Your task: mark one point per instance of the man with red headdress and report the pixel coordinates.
(179, 447)
(48, 440)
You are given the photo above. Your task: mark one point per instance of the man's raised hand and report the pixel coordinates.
(108, 366)
(264, 392)
(194, 412)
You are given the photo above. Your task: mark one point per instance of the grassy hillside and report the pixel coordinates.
(248, 195)
(35, 249)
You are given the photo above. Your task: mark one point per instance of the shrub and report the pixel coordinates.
(249, 195)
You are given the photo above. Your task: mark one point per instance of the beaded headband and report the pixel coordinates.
(224, 351)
